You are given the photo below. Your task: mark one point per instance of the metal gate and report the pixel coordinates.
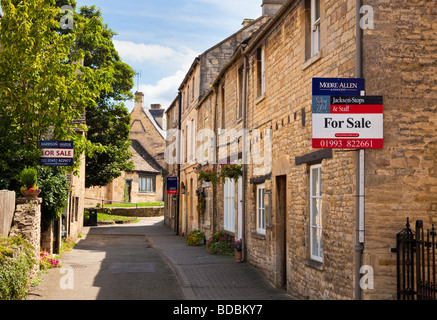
(416, 267)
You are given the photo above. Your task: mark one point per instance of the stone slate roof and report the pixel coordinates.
(142, 160)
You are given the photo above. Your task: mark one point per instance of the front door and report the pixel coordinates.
(281, 234)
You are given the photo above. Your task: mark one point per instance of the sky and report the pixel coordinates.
(160, 39)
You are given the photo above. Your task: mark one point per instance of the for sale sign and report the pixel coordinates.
(56, 153)
(348, 122)
(172, 185)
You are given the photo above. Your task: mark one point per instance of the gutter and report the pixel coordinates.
(360, 203)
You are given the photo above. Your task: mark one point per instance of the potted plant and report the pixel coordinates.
(237, 245)
(196, 238)
(208, 176)
(231, 171)
(28, 179)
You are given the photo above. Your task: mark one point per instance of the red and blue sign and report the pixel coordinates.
(172, 185)
(56, 153)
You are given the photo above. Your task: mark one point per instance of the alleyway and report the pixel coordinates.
(147, 261)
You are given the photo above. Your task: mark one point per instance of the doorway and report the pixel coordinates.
(281, 236)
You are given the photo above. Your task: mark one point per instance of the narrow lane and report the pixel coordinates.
(113, 262)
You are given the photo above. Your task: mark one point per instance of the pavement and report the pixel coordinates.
(147, 261)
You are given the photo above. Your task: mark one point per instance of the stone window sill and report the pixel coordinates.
(260, 98)
(314, 264)
(259, 236)
(312, 60)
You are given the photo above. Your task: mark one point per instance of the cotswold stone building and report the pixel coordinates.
(316, 221)
(146, 182)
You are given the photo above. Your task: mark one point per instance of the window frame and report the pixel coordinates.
(261, 71)
(315, 27)
(229, 205)
(260, 209)
(316, 226)
(153, 183)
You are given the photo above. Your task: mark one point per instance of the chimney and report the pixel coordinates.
(139, 100)
(247, 22)
(271, 7)
(155, 106)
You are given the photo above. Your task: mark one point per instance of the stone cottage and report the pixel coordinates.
(145, 183)
(317, 221)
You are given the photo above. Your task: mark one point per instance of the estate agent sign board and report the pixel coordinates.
(56, 153)
(172, 185)
(342, 118)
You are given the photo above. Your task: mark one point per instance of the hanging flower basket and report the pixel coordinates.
(207, 176)
(231, 171)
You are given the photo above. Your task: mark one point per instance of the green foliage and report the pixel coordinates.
(231, 171)
(207, 175)
(15, 264)
(109, 120)
(195, 238)
(44, 87)
(220, 243)
(55, 191)
(28, 177)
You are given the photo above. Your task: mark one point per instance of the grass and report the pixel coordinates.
(130, 205)
(103, 217)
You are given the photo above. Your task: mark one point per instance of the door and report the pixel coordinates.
(229, 205)
(128, 190)
(183, 211)
(281, 230)
(240, 209)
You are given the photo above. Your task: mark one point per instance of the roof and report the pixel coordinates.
(154, 122)
(142, 160)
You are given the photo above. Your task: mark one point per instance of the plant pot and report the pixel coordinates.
(30, 194)
(238, 256)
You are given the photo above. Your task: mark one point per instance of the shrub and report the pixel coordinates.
(55, 193)
(15, 264)
(195, 237)
(220, 243)
(28, 178)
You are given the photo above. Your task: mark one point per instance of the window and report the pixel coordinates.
(260, 69)
(205, 140)
(229, 209)
(192, 89)
(260, 210)
(146, 184)
(223, 107)
(315, 27)
(316, 241)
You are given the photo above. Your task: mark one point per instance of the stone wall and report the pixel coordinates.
(400, 56)
(27, 223)
(285, 109)
(134, 212)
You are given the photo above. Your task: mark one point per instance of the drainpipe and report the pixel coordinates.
(244, 149)
(178, 196)
(359, 244)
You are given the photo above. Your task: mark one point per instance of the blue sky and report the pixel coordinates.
(161, 38)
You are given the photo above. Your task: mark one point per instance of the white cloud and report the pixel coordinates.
(140, 52)
(164, 91)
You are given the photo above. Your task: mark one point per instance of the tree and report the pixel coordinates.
(109, 120)
(43, 86)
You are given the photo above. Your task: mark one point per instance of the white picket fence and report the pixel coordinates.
(7, 209)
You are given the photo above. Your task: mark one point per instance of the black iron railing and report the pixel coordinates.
(416, 263)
